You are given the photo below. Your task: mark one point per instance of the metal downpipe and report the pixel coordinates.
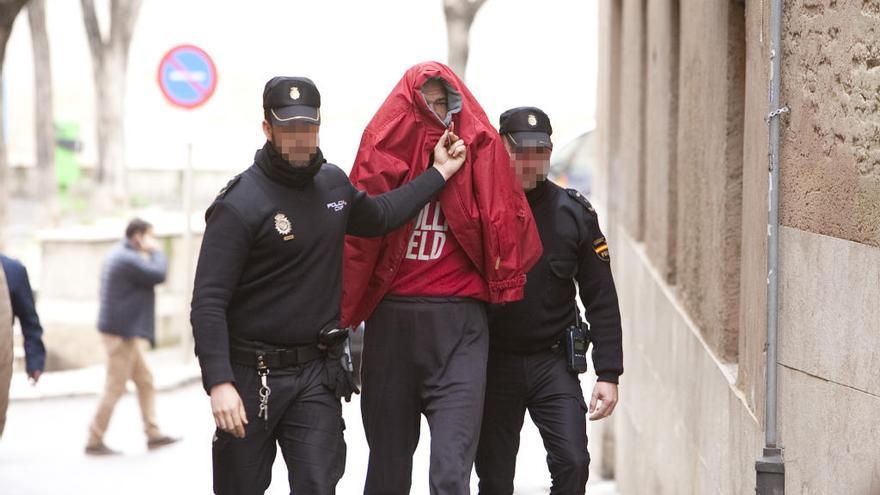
(770, 468)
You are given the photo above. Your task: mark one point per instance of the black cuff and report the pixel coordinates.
(609, 377)
(214, 372)
(435, 178)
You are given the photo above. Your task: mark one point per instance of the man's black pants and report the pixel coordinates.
(542, 384)
(305, 420)
(423, 356)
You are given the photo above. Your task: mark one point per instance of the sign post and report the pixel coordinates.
(187, 77)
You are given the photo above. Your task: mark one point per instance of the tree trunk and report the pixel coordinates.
(109, 69)
(460, 16)
(9, 10)
(43, 111)
(458, 34)
(111, 120)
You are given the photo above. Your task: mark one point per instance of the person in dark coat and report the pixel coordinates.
(265, 308)
(22, 299)
(534, 356)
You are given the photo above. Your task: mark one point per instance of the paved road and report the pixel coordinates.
(41, 452)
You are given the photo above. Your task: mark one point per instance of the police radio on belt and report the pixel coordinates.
(577, 343)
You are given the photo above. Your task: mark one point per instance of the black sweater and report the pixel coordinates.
(574, 250)
(270, 266)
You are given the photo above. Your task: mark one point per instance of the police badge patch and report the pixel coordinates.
(600, 246)
(283, 226)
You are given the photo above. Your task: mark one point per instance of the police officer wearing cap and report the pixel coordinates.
(538, 345)
(265, 309)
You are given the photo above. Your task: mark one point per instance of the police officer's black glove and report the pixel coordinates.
(338, 375)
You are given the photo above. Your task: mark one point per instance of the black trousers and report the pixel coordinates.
(305, 420)
(423, 356)
(541, 384)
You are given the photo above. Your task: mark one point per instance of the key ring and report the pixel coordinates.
(264, 392)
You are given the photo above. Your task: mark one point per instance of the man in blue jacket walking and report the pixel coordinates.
(127, 320)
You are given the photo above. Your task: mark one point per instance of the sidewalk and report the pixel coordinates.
(48, 437)
(183, 411)
(168, 365)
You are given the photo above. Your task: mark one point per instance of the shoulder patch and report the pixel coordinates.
(229, 185)
(600, 245)
(580, 198)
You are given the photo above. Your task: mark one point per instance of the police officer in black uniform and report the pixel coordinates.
(538, 345)
(265, 308)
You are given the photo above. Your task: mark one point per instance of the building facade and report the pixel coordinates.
(682, 182)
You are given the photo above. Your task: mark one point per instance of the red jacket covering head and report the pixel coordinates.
(483, 204)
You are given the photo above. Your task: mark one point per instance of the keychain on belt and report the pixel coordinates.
(265, 391)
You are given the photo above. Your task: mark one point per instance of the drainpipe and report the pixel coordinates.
(770, 468)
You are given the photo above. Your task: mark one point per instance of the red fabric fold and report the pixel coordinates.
(484, 206)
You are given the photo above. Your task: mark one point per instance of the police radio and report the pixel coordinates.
(577, 343)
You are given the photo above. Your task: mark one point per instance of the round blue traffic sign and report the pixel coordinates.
(187, 76)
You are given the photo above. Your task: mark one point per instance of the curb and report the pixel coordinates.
(73, 394)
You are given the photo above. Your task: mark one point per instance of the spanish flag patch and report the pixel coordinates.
(600, 246)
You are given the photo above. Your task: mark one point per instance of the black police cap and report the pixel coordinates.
(526, 127)
(289, 100)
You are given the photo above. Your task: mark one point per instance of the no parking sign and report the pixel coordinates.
(187, 76)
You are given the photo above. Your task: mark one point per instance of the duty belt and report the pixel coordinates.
(276, 358)
(265, 361)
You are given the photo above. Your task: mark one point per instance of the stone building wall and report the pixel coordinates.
(684, 169)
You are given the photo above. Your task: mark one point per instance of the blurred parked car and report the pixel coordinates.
(573, 162)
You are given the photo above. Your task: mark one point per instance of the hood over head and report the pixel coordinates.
(406, 104)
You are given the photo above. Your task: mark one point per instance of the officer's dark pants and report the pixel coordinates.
(542, 384)
(305, 419)
(425, 355)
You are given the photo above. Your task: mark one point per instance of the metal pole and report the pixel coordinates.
(773, 227)
(186, 339)
(770, 469)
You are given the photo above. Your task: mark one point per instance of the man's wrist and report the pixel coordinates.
(446, 175)
(217, 386)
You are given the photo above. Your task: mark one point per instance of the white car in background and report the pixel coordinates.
(573, 162)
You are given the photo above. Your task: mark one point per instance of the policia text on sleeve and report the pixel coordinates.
(268, 283)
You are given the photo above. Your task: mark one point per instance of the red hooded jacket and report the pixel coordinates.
(483, 204)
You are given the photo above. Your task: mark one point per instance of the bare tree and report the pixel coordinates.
(43, 109)
(109, 67)
(9, 10)
(460, 15)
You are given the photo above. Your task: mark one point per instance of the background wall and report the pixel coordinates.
(694, 305)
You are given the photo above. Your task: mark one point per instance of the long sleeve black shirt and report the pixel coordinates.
(574, 251)
(270, 266)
